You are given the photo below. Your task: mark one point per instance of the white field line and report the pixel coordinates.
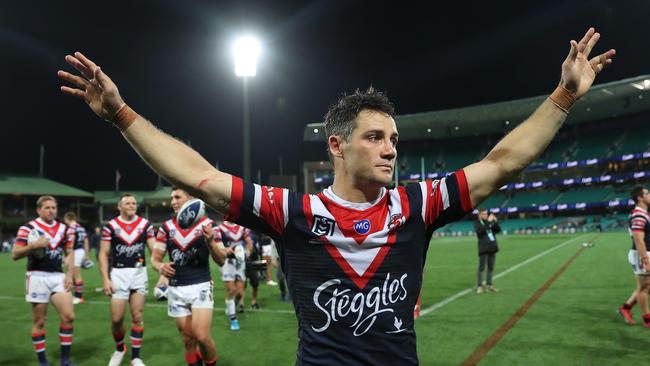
(440, 304)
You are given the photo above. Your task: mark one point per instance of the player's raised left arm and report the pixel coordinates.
(176, 162)
(524, 144)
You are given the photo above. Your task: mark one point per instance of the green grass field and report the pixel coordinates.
(573, 322)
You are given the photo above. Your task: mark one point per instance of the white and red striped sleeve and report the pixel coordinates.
(257, 207)
(151, 232)
(445, 200)
(21, 236)
(71, 236)
(638, 223)
(162, 235)
(106, 233)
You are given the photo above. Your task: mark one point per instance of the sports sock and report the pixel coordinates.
(628, 306)
(119, 341)
(38, 341)
(79, 289)
(136, 340)
(192, 360)
(230, 309)
(65, 338)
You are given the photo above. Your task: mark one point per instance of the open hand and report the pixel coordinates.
(92, 86)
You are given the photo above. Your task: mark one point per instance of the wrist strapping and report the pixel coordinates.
(562, 98)
(124, 118)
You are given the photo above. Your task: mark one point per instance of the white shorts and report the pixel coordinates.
(267, 250)
(634, 260)
(39, 286)
(79, 255)
(182, 299)
(233, 270)
(127, 280)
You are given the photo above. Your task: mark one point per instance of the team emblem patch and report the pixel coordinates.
(323, 226)
(396, 221)
(362, 227)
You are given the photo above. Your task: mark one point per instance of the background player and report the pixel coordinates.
(124, 274)
(639, 224)
(237, 244)
(190, 293)
(81, 250)
(46, 281)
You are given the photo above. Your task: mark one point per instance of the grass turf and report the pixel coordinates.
(574, 322)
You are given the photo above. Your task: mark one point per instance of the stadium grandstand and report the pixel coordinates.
(580, 183)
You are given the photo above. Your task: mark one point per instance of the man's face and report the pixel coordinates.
(179, 197)
(370, 154)
(483, 215)
(47, 211)
(128, 206)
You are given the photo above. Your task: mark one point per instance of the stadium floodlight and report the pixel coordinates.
(246, 49)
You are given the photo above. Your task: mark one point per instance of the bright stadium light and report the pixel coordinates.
(246, 50)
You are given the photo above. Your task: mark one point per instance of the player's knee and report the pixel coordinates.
(67, 318)
(204, 338)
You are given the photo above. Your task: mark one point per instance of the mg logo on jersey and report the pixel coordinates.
(323, 226)
(362, 227)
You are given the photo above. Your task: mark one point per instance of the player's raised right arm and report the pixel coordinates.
(173, 160)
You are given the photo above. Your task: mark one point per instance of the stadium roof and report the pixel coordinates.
(603, 101)
(37, 186)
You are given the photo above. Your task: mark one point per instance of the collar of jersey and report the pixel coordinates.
(329, 193)
(640, 209)
(120, 219)
(42, 222)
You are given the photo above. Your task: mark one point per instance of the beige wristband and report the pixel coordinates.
(562, 98)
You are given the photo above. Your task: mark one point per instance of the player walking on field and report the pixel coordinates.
(124, 274)
(190, 297)
(46, 282)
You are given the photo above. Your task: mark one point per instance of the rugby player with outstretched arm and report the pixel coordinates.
(353, 254)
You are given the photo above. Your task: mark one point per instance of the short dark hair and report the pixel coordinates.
(70, 216)
(482, 209)
(637, 192)
(340, 118)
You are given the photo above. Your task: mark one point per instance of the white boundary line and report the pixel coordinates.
(162, 304)
(466, 291)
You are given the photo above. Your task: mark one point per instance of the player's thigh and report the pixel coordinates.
(118, 309)
(62, 302)
(231, 288)
(202, 323)
(136, 303)
(184, 326)
(240, 285)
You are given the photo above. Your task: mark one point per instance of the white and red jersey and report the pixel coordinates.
(231, 234)
(639, 221)
(60, 236)
(128, 240)
(188, 251)
(354, 269)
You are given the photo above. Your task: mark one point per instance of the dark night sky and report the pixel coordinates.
(172, 63)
